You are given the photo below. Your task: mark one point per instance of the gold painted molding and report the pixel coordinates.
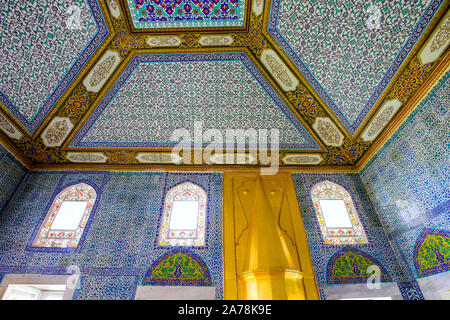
(15, 152)
(189, 168)
(124, 7)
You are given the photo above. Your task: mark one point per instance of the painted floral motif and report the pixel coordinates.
(121, 157)
(190, 40)
(124, 41)
(186, 13)
(306, 103)
(410, 80)
(254, 39)
(35, 150)
(178, 267)
(183, 192)
(47, 237)
(351, 265)
(327, 190)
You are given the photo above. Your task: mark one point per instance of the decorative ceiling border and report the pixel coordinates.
(255, 42)
(306, 86)
(187, 168)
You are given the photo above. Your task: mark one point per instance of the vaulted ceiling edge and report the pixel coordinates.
(438, 73)
(43, 138)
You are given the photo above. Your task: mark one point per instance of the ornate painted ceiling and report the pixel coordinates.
(87, 83)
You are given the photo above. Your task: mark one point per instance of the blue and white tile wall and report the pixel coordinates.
(378, 246)
(408, 179)
(120, 242)
(11, 174)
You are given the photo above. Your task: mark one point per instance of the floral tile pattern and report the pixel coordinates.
(157, 94)
(378, 247)
(49, 42)
(348, 50)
